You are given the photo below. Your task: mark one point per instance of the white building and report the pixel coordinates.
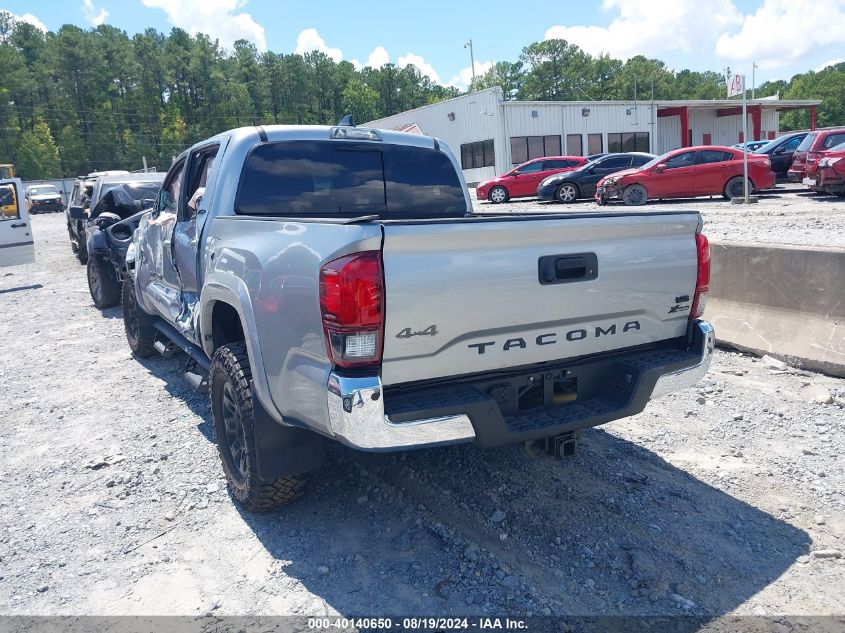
(491, 135)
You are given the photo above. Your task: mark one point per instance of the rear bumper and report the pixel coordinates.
(363, 416)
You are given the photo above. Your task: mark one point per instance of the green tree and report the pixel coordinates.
(37, 153)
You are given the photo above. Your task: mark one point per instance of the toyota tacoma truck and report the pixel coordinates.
(332, 283)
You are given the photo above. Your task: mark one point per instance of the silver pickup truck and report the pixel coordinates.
(333, 283)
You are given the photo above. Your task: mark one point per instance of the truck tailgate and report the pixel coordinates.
(480, 295)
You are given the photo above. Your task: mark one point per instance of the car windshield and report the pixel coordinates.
(348, 179)
(43, 190)
(127, 198)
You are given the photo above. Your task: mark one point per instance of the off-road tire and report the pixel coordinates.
(230, 377)
(634, 195)
(81, 246)
(101, 275)
(734, 188)
(140, 331)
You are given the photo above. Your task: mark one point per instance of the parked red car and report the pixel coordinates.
(810, 151)
(707, 170)
(523, 181)
(831, 173)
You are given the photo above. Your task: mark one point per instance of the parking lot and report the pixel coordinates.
(725, 498)
(788, 214)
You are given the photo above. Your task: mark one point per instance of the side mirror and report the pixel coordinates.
(76, 213)
(660, 168)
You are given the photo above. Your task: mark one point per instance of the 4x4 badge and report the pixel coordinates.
(431, 330)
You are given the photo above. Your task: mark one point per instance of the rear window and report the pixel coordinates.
(348, 179)
(807, 142)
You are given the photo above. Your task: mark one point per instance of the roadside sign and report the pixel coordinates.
(736, 85)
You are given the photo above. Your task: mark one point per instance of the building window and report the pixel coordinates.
(573, 145)
(594, 144)
(627, 142)
(478, 154)
(525, 148)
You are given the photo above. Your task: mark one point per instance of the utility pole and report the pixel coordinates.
(753, 80)
(471, 58)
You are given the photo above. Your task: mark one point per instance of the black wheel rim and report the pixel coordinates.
(234, 429)
(94, 281)
(736, 189)
(635, 195)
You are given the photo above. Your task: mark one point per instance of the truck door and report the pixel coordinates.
(16, 244)
(200, 179)
(156, 271)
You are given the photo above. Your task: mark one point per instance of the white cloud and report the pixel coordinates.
(91, 14)
(28, 18)
(215, 18)
(419, 61)
(310, 40)
(646, 27)
(783, 31)
(830, 62)
(464, 78)
(378, 58)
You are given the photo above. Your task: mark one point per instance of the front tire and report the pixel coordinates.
(102, 283)
(634, 195)
(498, 195)
(81, 245)
(567, 193)
(232, 409)
(140, 331)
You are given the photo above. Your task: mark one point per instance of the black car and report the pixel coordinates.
(581, 183)
(780, 151)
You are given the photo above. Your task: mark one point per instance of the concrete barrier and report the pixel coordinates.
(784, 301)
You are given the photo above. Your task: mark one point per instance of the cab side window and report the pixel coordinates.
(169, 200)
(201, 163)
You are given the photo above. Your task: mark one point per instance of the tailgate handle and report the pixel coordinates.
(561, 269)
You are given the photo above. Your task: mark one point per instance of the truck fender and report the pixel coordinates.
(225, 288)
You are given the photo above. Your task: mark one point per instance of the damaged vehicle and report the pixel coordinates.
(78, 209)
(332, 283)
(109, 234)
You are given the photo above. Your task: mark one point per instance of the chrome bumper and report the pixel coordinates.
(705, 341)
(357, 418)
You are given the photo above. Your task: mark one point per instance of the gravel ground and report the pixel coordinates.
(789, 214)
(726, 498)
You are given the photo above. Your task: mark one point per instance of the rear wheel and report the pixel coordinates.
(140, 331)
(498, 195)
(102, 283)
(567, 192)
(232, 408)
(735, 189)
(634, 195)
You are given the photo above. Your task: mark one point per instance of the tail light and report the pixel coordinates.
(352, 307)
(702, 282)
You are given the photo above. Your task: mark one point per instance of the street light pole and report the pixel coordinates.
(753, 80)
(471, 58)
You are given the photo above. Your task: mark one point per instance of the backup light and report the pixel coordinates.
(358, 133)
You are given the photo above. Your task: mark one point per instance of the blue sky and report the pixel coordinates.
(783, 37)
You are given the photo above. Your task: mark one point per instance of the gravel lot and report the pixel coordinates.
(727, 498)
(790, 214)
